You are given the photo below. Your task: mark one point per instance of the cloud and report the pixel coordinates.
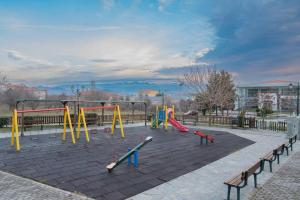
(132, 53)
(199, 54)
(99, 60)
(26, 61)
(286, 70)
(107, 4)
(15, 55)
(110, 45)
(162, 4)
(255, 35)
(107, 56)
(66, 28)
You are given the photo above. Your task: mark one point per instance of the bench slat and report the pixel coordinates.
(236, 180)
(268, 156)
(254, 168)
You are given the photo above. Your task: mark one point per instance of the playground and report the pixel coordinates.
(164, 160)
(81, 167)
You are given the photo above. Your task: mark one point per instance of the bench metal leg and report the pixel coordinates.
(278, 159)
(228, 193)
(292, 147)
(255, 180)
(201, 140)
(270, 164)
(287, 151)
(238, 193)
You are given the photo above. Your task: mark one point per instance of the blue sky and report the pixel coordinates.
(57, 41)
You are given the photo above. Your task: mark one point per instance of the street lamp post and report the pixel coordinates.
(298, 92)
(298, 88)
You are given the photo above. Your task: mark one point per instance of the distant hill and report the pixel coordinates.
(123, 87)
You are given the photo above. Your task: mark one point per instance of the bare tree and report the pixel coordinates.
(196, 79)
(185, 105)
(10, 96)
(32, 104)
(3, 80)
(212, 88)
(225, 90)
(95, 95)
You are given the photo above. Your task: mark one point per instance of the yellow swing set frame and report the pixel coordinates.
(116, 116)
(15, 141)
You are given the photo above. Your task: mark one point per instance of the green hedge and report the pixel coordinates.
(4, 122)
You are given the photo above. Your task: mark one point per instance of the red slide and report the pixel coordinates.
(177, 125)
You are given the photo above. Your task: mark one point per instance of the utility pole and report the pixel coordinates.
(298, 89)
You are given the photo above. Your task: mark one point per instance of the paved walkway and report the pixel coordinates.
(206, 183)
(17, 188)
(284, 184)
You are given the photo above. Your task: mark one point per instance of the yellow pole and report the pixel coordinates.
(166, 117)
(70, 125)
(85, 127)
(173, 112)
(120, 122)
(65, 126)
(156, 117)
(79, 124)
(16, 130)
(114, 121)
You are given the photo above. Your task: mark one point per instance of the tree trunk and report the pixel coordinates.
(209, 117)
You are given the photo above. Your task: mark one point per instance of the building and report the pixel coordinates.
(149, 93)
(275, 95)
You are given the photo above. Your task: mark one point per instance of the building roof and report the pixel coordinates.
(263, 84)
(149, 92)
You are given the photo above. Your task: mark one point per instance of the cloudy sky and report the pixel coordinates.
(56, 41)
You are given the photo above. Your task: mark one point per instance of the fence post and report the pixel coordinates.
(145, 113)
(132, 116)
(22, 121)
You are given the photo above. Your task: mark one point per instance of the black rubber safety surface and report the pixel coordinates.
(81, 167)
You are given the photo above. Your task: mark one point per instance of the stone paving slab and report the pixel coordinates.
(17, 188)
(81, 167)
(284, 184)
(206, 183)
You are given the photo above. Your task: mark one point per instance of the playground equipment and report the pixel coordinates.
(165, 116)
(15, 124)
(128, 155)
(74, 106)
(116, 116)
(208, 138)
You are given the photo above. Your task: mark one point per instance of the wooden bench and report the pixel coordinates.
(241, 180)
(30, 123)
(290, 143)
(208, 138)
(274, 155)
